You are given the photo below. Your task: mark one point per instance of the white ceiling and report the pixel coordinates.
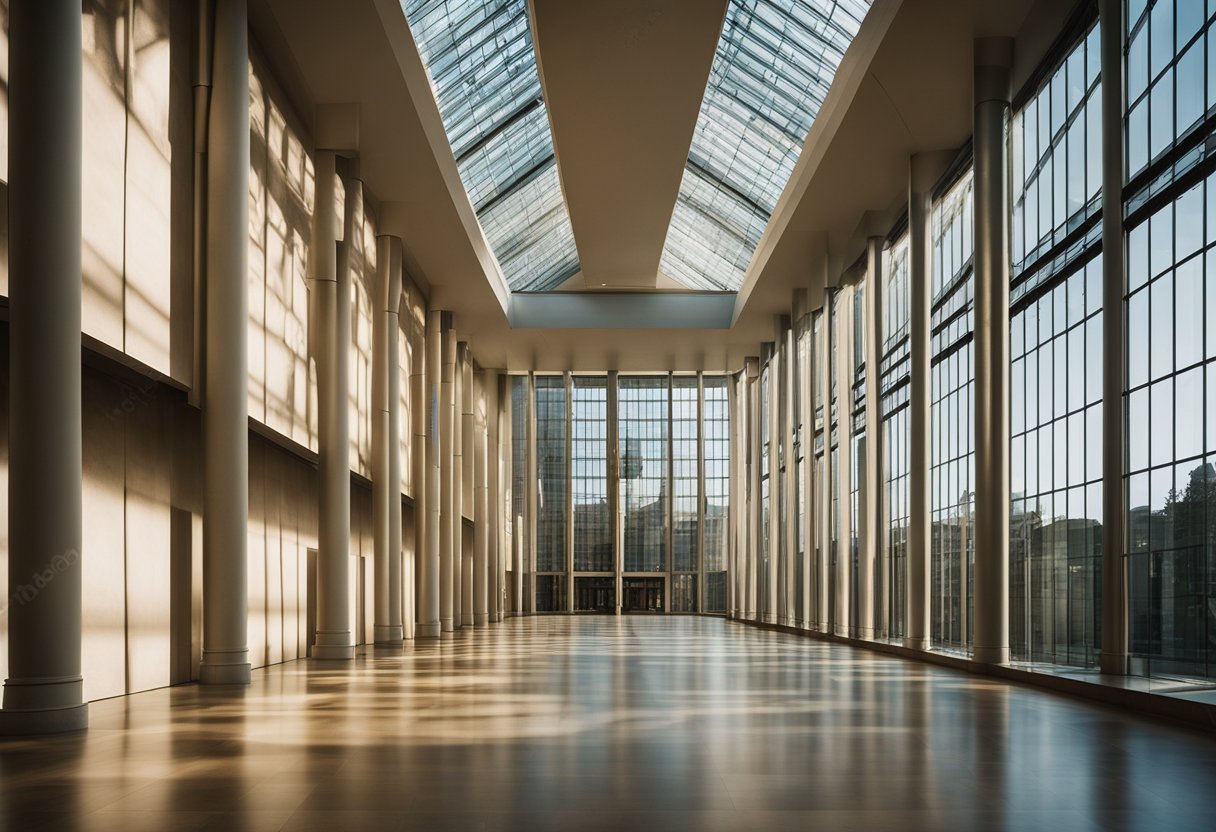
(623, 83)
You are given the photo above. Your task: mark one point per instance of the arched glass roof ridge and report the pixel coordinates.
(481, 61)
(772, 69)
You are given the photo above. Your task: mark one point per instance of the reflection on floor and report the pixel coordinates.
(597, 723)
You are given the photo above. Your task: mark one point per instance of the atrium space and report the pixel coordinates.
(526, 414)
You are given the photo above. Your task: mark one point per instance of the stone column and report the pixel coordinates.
(532, 484)
(44, 690)
(1113, 658)
(386, 443)
(993, 59)
(755, 515)
(843, 436)
(804, 386)
(467, 486)
(225, 392)
(824, 565)
(331, 299)
(923, 172)
(789, 483)
(431, 486)
(449, 545)
(871, 483)
(483, 529)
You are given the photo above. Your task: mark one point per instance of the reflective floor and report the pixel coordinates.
(596, 723)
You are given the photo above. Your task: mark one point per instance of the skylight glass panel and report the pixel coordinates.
(482, 65)
(771, 72)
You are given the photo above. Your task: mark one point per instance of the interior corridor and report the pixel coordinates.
(589, 723)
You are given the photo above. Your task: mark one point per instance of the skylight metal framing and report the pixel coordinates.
(482, 65)
(772, 70)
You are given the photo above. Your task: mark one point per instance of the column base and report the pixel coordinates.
(224, 674)
(333, 652)
(333, 645)
(224, 667)
(466, 620)
(916, 643)
(427, 630)
(1113, 664)
(991, 655)
(388, 635)
(35, 721)
(446, 624)
(865, 634)
(481, 619)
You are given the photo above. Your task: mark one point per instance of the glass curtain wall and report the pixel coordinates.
(643, 424)
(894, 378)
(952, 414)
(552, 483)
(685, 488)
(1056, 364)
(593, 521)
(1170, 304)
(716, 442)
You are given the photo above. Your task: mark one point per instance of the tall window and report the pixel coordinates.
(1168, 88)
(1056, 365)
(589, 475)
(551, 474)
(952, 415)
(1056, 469)
(643, 413)
(685, 489)
(717, 491)
(894, 377)
(1057, 154)
(1171, 433)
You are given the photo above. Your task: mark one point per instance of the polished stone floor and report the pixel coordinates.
(636, 723)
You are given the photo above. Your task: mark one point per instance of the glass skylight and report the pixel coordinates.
(482, 64)
(774, 64)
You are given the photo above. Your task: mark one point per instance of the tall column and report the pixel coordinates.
(869, 522)
(738, 491)
(843, 436)
(789, 483)
(775, 584)
(502, 498)
(459, 504)
(432, 486)
(386, 443)
(467, 485)
(923, 171)
(755, 516)
(483, 529)
(533, 485)
(44, 691)
(1113, 658)
(614, 483)
(420, 474)
(225, 395)
(331, 293)
(448, 544)
(826, 529)
(993, 59)
(806, 489)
